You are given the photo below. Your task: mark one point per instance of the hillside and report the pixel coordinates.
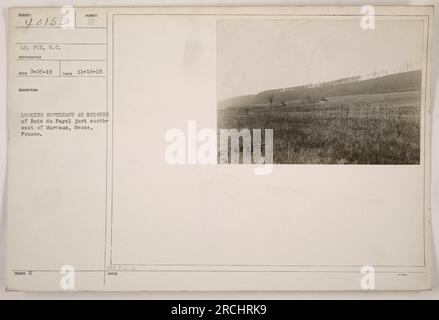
(236, 101)
(400, 82)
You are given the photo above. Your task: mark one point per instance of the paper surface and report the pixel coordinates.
(116, 180)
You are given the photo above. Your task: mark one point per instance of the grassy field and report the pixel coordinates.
(358, 129)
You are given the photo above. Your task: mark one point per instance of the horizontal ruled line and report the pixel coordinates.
(65, 43)
(58, 27)
(33, 60)
(61, 76)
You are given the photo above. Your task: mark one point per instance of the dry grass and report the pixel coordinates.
(345, 131)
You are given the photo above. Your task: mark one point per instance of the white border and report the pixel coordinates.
(434, 294)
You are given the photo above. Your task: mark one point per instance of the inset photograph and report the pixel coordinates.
(331, 91)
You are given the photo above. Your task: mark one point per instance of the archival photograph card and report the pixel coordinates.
(219, 148)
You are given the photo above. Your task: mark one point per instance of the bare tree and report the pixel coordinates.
(271, 99)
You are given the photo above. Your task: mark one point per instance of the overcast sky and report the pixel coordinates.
(258, 55)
